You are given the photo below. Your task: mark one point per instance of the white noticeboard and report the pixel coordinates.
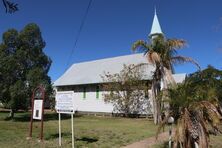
(65, 102)
(37, 111)
(65, 105)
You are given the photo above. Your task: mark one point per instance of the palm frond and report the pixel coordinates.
(210, 113)
(179, 135)
(176, 43)
(10, 7)
(153, 57)
(203, 139)
(182, 60)
(140, 45)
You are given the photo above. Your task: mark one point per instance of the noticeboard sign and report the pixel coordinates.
(37, 110)
(65, 102)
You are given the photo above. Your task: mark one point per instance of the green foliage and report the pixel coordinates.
(23, 66)
(195, 106)
(126, 90)
(200, 86)
(207, 83)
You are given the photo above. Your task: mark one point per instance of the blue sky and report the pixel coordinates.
(112, 26)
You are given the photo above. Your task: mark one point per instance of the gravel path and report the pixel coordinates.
(148, 142)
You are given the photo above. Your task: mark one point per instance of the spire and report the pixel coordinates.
(156, 29)
(155, 10)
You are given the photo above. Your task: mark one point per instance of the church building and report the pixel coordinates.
(86, 81)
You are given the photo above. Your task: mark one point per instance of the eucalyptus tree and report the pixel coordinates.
(23, 66)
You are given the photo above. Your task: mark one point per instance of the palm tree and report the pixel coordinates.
(162, 53)
(194, 114)
(10, 7)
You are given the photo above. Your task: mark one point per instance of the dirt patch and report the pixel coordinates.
(148, 142)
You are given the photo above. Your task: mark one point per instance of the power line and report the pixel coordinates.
(79, 32)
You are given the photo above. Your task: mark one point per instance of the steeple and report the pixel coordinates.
(156, 29)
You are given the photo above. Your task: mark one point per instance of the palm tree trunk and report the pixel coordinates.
(168, 76)
(168, 81)
(156, 103)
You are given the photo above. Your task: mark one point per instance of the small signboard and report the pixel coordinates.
(37, 111)
(65, 102)
(38, 97)
(65, 105)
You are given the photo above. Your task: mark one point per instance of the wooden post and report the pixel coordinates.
(31, 120)
(60, 141)
(43, 98)
(170, 136)
(72, 131)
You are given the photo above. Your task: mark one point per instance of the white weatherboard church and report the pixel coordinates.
(85, 78)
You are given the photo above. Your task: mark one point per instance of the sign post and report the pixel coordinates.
(60, 142)
(38, 97)
(65, 105)
(72, 131)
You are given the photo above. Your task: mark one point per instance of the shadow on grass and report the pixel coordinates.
(87, 139)
(54, 136)
(25, 117)
(66, 135)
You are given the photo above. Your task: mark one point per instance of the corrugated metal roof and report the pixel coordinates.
(90, 72)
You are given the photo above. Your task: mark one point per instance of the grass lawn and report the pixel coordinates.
(90, 131)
